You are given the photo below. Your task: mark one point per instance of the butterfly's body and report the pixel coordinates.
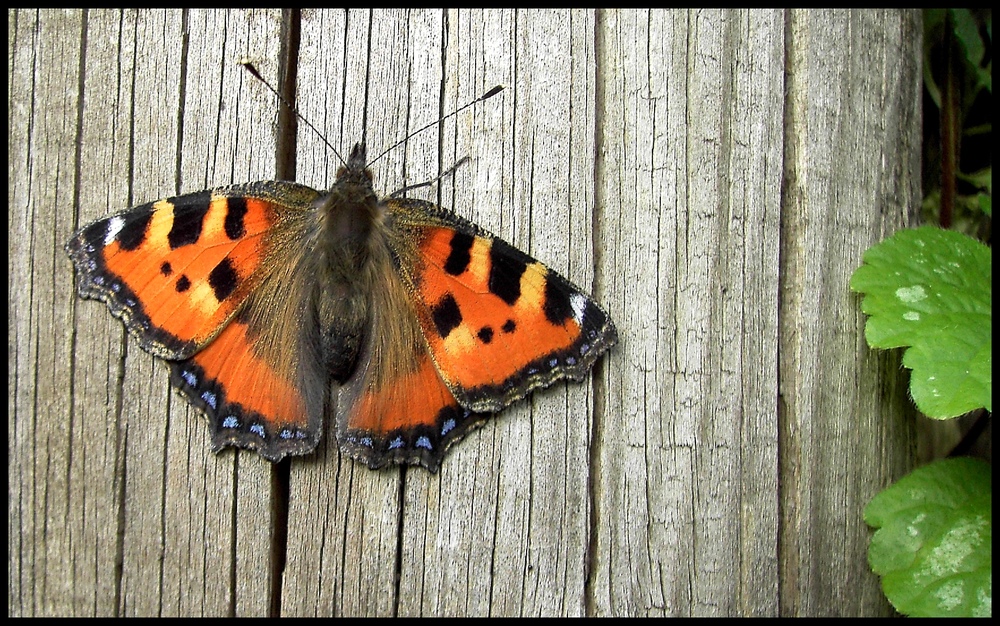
(350, 254)
(268, 298)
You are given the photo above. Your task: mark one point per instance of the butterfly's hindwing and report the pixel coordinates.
(249, 403)
(412, 418)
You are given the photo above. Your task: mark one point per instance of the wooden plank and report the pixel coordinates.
(228, 138)
(44, 54)
(148, 516)
(712, 175)
(191, 544)
(343, 518)
(689, 172)
(517, 505)
(852, 177)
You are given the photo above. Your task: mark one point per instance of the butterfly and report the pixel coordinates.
(275, 304)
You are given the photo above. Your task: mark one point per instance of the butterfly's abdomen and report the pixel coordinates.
(341, 315)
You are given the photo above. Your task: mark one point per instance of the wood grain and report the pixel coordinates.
(711, 176)
(852, 177)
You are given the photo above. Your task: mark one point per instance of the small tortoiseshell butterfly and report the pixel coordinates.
(261, 295)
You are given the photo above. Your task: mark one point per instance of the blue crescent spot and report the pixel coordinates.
(209, 398)
(189, 378)
(424, 442)
(285, 433)
(366, 441)
(570, 360)
(396, 443)
(258, 430)
(447, 427)
(231, 422)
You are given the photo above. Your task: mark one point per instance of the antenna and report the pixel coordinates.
(489, 94)
(248, 66)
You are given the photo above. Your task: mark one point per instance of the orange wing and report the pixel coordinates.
(498, 323)
(395, 408)
(490, 324)
(411, 418)
(250, 402)
(175, 271)
(181, 273)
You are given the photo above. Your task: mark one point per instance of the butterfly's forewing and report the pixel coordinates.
(152, 267)
(497, 322)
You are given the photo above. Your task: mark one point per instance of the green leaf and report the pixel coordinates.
(983, 179)
(934, 543)
(985, 203)
(966, 30)
(930, 289)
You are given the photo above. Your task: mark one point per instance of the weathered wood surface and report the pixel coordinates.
(713, 176)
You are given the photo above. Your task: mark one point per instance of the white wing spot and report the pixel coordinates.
(579, 303)
(115, 225)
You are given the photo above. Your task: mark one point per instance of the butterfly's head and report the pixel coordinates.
(356, 164)
(354, 177)
(351, 204)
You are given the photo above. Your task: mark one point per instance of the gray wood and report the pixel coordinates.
(852, 177)
(711, 176)
(687, 489)
(45, 461)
